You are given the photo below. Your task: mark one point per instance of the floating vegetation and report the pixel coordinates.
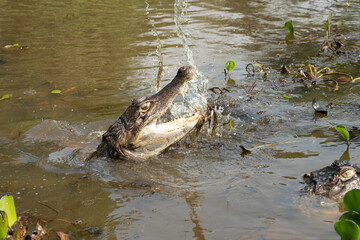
(57, 91)
(344, 133)
(15, 45)
(325, 76)
(229, 65)
(6, 96)
(13, 227)
(290, 36)
(328, 29)
(228, 123)
(12, 45)
(7, 215)
(289, 26)
(348, 224)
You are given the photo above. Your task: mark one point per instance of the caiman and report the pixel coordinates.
(333, 181)
(137, 135)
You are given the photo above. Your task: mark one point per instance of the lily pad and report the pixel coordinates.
(353, 216)
(7, 205)
(347, 229)
(352, 200)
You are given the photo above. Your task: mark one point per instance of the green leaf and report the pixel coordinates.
(6, 96)
(3, 225)
(343, 132)
(230, 65)
(353, 216)
(285, 97)
(327, 26)
(289, 26)
(56, 91)
(11, 45)
(352, 200)
(347, 229)
(329, 18)
(7, 204)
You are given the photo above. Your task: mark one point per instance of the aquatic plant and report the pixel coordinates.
(344, 133)
(13, 227)
(291, 35)
(12, 45)
(348, 224)
(6, 96)
(56, 91)
(289, 26)
(7, 215)
(328, 30)
(229, 66)
(314, 77)
(228, 123)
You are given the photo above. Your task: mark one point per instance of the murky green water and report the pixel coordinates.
(102, 54)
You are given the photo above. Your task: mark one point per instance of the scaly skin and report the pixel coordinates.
(333, 181)
(136, 134)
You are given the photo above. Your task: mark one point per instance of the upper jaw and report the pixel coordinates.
(154, 137)
(164, 99)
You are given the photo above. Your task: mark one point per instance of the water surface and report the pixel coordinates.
(102, 54)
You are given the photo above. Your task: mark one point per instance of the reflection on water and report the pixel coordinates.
(101, 54)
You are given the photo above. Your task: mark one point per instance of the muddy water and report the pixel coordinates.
(101, 54)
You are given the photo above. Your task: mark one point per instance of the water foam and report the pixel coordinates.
(197, 95)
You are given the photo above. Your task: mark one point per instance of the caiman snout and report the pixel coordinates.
(186, 72)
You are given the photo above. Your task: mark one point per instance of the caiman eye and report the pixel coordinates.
(145, 107)
(347, 173)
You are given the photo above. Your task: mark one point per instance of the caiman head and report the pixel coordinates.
(333, 181)
(137, 134)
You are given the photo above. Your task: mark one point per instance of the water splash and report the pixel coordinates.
(196, 96)
(158, 52)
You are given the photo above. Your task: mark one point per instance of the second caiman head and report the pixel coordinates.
(333, 181)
